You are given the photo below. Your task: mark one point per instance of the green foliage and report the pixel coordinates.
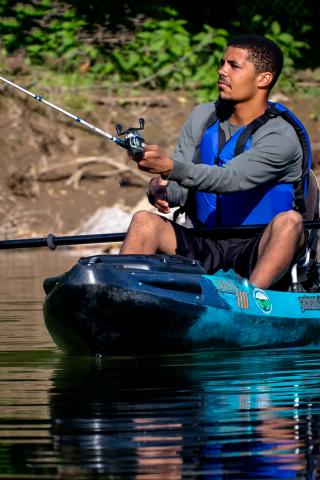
(45, 32)
(165, 55)
(292, 49)
(162, 54)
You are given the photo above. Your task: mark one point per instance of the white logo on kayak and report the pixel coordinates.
(262, 300)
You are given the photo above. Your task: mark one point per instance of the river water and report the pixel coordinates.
(214, 415)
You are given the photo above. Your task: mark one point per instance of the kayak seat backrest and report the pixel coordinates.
(312, 199)
(312, 212)
(307, 273)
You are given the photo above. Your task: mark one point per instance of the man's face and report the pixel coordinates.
(238, 77)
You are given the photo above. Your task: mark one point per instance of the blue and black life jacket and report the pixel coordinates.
(258, 205)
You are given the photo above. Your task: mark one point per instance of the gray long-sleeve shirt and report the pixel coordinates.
(275, 155)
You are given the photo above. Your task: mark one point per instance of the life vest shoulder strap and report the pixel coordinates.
(211, 120)
(253, 127)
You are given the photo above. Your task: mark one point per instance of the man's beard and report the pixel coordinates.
(224, 108)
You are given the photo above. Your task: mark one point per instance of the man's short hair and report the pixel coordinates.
(265, 54)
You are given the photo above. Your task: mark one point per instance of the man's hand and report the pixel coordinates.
(157, 188)
(155, 160)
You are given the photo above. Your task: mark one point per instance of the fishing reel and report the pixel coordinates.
(133, 141)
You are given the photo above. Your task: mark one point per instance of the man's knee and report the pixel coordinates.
(144, 218)
(150, 233)
(290, 220)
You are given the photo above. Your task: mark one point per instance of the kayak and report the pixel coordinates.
(138, 304)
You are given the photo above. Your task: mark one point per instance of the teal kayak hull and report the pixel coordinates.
(135, 304)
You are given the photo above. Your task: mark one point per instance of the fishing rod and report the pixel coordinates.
(133, 141)
(52, 242)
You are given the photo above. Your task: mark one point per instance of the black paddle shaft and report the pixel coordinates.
(51, 241)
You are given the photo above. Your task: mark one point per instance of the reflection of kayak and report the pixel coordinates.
(136, 304)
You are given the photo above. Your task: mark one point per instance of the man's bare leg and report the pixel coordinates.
(148, 234)
(278, 245)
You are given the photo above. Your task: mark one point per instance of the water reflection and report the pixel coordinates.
(217, 416)
(25, 423)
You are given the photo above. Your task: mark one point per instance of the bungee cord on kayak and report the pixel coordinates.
(133, 141)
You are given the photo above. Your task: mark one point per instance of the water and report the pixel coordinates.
(218, 415)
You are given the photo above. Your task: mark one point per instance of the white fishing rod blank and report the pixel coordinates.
(119, 141)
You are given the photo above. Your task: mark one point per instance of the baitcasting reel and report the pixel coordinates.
(133, 141)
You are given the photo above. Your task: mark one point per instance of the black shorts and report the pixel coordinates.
(239, 254)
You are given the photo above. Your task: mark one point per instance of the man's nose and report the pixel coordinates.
(223, 71)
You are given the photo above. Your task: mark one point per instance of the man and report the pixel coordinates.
(222, 184)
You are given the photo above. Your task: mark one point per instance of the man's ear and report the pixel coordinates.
(264, 79)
